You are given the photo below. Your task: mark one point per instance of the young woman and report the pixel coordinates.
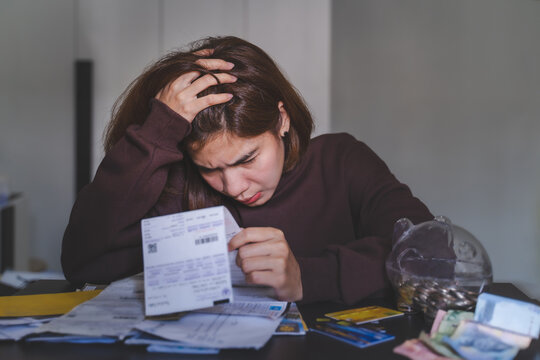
(220, 124)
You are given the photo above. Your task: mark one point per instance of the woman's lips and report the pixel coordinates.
(252, 199)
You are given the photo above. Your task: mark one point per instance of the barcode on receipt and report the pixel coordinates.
(206, 239)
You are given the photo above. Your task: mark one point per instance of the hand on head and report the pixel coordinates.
(181, 94)
(266, 259)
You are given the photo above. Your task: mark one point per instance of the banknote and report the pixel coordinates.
(450, 322)
(437, 321)
(438, 347)
(508, 314)
(445, 324)
(508, 337)
(414, 349)
(470, 342)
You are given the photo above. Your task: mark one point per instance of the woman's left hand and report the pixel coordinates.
(266, 259)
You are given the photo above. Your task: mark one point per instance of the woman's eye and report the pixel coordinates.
(204, 170)
(250, 160)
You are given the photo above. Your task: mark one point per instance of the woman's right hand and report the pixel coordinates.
(181, 94)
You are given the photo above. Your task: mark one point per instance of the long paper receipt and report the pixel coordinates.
(186, 262)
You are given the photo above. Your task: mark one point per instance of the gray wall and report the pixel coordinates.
(448, 94)
(36, 118)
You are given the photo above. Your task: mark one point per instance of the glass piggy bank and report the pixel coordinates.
(436, 265)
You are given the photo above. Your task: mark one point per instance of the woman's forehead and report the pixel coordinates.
(226, 148)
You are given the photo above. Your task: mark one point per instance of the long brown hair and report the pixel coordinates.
(252, 111)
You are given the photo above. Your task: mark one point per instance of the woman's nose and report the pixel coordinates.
(234, 184)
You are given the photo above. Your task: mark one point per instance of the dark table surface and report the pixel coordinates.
(310, 346)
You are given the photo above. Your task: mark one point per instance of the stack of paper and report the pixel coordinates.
(17, 328)
(22, 315)
(113, 313)
(184, 301)
(112, 316)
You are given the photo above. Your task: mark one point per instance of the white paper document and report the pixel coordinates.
(253, 301)
(181, 350)
(24, 321)
(215, 330)
(118, 309)
(158, 344)
(17, 328)
(186, 262)
(19, 279)
(237, 275)
(114, 312)
(17, 332)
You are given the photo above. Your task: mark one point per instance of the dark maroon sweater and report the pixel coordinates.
(337, 209)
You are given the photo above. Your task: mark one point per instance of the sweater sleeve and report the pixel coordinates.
(102, 241)
(354, 268)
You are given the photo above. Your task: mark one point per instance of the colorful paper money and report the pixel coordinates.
(508, 314)
(473, 343)
(415, 350)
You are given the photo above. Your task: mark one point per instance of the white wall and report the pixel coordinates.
(36, 121)
(448, 94)
(296, 34)
(123, 36)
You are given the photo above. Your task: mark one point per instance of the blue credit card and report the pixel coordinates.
(357, 336)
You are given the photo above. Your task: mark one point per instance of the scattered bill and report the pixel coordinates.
(438, 347)
(113, 313)
(472, 343)
(438, 318)
(414, 349)
(450, 322)
(71, 339)
(501, 328)
(157, 344)
(445, 324)
(179, 349)
(508, 314)
(253, 301)
(18, 328)
(142, 338)
(508, 337)
(16, 332)
(217, 331)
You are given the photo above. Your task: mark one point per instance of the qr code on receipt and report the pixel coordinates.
(152, 248)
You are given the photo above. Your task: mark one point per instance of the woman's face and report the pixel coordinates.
(247, 170)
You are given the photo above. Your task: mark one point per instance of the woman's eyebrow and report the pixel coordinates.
(244, 157)
(237, 162)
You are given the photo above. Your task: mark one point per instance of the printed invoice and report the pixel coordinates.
(186, 262)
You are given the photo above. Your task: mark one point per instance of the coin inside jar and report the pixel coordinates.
(429, 296)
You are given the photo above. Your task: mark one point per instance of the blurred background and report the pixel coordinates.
(447, 92)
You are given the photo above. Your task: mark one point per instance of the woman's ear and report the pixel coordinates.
(285, 120)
